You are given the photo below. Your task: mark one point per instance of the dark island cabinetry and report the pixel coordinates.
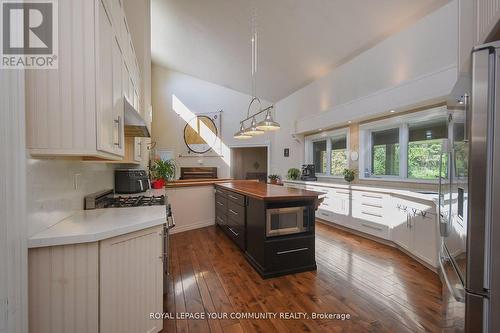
(274, 226)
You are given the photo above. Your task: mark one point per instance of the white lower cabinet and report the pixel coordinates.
(410, 223)
(107, 286)
(131, 282)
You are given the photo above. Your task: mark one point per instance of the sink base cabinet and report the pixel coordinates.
(409, 223)
(108, 286)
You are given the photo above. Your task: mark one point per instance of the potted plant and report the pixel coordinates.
(273, 179)
(293, 174)
(349, 175)
(162, 171)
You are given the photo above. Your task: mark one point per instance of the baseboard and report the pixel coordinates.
(379, 240)
(188, 227)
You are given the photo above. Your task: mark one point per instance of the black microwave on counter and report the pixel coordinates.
(129, 181)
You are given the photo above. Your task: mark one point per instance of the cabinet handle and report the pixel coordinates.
(232, 211)
(372, 214)
(324, 214)
(118, 122)
(220, 203)
(233, 197)
(324, 204)
(291, 251)
(220, 219)
(371, 227)
(371, 196)
(371, 205)
(234, 233)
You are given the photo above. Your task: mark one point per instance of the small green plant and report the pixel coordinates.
(293, 174)
(273, 178)
(162, 169)
(349, 175)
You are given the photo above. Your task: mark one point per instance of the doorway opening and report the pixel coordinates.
(249, 163)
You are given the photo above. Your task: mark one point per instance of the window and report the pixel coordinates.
(319, 156)
(407, 147)
(385, 152)
(424, 149)
(328, 151)
(338, 157)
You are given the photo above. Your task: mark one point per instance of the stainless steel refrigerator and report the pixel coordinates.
(469, 199)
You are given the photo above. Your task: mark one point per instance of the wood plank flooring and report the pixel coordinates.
(382, 289)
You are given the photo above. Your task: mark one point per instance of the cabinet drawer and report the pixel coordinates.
(289, 253)
(236, 198)
(324, 214)
(374, 229)
(237, 233)
(220, 203)
(220, 192)
(220, 217)
(236, 212)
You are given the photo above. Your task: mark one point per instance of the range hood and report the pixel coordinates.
(134, 125)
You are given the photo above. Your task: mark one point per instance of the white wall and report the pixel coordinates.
(52, 194)
(199, 97)
(415, 66)
(13, 245)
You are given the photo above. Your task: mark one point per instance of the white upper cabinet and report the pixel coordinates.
(77, 109)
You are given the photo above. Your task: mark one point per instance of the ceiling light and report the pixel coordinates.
(349, 121)
(268, 124)
(241, 134)
(392, 111)
(253, 130)
(320, 129)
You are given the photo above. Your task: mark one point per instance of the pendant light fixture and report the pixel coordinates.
(268, 124)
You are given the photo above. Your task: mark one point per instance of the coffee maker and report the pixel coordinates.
(308, 172)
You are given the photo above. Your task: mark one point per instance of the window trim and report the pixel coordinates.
(402, 123)
(327, 135)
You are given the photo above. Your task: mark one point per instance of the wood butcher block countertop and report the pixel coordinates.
(268, 192)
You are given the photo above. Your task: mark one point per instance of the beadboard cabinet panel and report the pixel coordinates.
(60, 103)
(77, 109)
(131, 281)
(487, 17)
(63, 289)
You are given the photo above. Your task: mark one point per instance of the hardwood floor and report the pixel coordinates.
(382, 289)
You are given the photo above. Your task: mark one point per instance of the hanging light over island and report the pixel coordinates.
(268, 123)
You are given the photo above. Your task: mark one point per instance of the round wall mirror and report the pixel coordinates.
(200, 134)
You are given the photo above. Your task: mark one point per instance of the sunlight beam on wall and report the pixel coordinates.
(217, 145)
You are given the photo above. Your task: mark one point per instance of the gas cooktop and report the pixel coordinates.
(107, 199)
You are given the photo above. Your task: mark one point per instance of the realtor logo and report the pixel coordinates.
(29, 34)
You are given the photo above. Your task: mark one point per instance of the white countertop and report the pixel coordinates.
(87, 226)
(400, 192)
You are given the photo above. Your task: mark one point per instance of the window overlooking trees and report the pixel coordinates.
(319, 156)
(338, 156)
(328, 151)
(385, 152)
(407, 147)
(424, 149)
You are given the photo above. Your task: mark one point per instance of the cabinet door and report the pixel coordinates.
(137, 149)
(400, 225)
(118, 113)
(424, 233)
(131, 282)
(106, 138)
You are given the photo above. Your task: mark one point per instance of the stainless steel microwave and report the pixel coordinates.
(286, 221)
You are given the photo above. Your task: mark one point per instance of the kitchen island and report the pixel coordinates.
(273, 225)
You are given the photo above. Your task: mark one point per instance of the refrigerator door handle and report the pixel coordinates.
(446, 265)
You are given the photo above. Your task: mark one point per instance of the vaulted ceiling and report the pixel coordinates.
(299, 40)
